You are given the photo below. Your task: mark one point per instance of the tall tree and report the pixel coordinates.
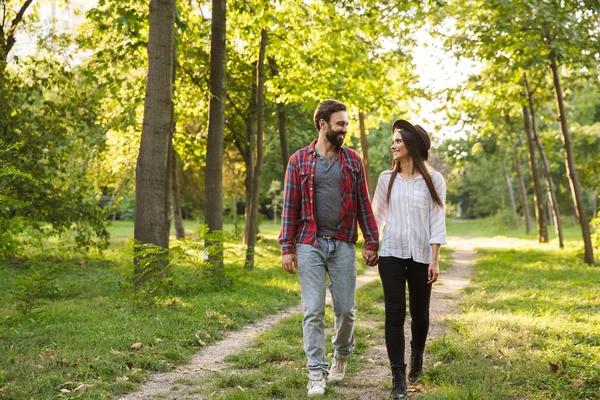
(364, 146)
(570, 161)
(538, 198)
(151, 224)
(260, 111)
(213, 172)
(553, 204)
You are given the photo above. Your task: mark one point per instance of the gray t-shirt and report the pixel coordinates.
(328, 197)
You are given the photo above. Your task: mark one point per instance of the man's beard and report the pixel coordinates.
(332, 137)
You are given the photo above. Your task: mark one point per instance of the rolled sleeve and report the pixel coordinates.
(437, 214)
(291, 209)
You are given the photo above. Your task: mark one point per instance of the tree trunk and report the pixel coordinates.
(511, 193)
(213, 172)
(538, 199)
(251, 133)
(175, 199)
(522, 190)
(151, 212)
(283, 140)
(570, 165)
(546, 168)
(364, 145)
(281, 125)
(260, 111)
(174, 166)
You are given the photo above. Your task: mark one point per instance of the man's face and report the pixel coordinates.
(337, 128)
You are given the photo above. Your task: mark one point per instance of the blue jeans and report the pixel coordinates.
(337, 259)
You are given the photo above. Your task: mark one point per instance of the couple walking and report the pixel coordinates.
(325, 196)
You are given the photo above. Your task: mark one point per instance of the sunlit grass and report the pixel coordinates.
(529, 327)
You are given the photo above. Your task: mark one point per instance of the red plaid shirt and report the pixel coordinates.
(299, 223)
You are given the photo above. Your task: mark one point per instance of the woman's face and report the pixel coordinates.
(399, 151)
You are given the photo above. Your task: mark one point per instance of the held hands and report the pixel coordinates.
(433, 272)
(370, 256)
(289, 262)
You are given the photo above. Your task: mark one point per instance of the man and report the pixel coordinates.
(325, 194)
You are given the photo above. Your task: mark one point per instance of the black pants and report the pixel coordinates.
(394, 273)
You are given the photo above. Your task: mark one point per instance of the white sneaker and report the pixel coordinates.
(338, 369)
(316, 384)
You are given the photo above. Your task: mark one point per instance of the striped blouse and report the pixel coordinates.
(412, 221)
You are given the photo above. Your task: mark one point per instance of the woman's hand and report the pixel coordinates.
(433, 271)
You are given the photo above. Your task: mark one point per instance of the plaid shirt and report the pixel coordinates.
(299, 223)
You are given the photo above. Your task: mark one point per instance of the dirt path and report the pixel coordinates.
(373, 381)
(370, 379)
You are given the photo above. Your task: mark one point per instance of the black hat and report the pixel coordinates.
(418, 132)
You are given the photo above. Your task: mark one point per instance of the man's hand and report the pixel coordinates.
(370, 256)
(433, 272)
(289, 262)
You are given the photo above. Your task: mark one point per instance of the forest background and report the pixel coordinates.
(184, 113)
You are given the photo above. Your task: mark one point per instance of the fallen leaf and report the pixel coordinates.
(2, 389)
(158, 339)
(115, 351)
(577, 383)
(97, 358)
(553, 367)
(533, 296)
(437, 364)
(500, 352)
(122, 378)
(488, 356)
(137, 346)
(65, 390)
(66, 384)
(200, 342)
(48, 355)
(81, 388)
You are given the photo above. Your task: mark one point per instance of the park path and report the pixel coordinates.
(365, 384)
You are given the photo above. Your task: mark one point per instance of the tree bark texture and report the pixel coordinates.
(570, 164)
(213, 172)
(538, 198)
(545, 168)
(251, 133)
(364, 146)
(281, 124)
(511, 193)
(175, 198)
(522, 190)
(260, 112)
(151, 212)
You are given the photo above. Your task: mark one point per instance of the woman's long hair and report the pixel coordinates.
(419, 152)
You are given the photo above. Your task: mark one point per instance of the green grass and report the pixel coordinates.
(529, 328)
(82, 332)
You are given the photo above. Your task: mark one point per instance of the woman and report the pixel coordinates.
(409, 209)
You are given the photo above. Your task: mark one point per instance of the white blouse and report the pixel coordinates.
(412, 221)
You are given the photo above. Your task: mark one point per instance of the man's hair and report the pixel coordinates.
(325, 109)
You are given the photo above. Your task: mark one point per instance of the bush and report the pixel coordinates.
(595, 223)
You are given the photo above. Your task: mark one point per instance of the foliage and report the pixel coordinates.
(51, 139)
(38, 283)
(595, 224)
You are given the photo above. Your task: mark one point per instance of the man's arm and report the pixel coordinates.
(292, 197)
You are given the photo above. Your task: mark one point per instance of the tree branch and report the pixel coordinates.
(10, 39)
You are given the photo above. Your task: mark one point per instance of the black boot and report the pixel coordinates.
(416, 365)
(399, 382)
